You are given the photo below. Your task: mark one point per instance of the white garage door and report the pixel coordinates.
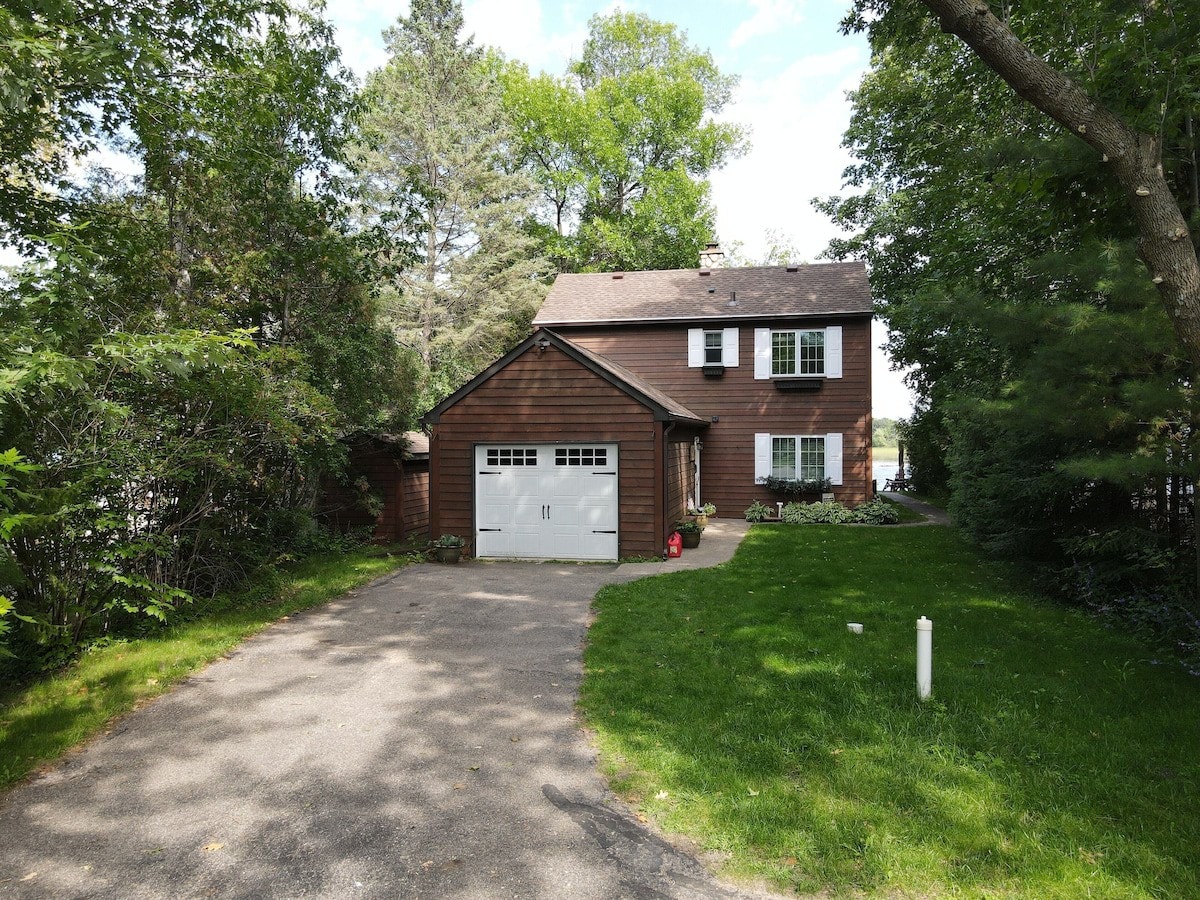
(551, 501)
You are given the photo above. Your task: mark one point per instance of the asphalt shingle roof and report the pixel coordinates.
(719, 293)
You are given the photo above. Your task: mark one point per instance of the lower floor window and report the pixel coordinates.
(798, 458)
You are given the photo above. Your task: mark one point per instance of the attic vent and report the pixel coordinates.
(704, 272)
(617, 276)
(793, 268)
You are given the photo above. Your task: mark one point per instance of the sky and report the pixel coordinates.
(795, 68)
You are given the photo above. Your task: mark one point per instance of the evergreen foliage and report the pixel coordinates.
(437, 178)
(1054, 401)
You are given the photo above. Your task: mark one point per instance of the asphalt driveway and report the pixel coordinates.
(414, 739)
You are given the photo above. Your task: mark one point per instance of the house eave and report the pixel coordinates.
(738, 317)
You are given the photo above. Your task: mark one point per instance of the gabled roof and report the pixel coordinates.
(665, 407)
(409, 445)
(762, 292)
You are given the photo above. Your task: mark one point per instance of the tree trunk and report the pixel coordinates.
(1135, 158)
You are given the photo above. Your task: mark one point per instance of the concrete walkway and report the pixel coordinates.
(416, 738)
(933, 515)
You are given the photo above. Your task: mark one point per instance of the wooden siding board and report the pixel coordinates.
(744, 406)
(548, 398)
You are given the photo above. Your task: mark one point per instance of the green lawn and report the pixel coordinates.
(42, 721)
(1057, 758)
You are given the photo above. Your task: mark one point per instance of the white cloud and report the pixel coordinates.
(890, 398)
(768, 17)
(517, 28)
(798, 118)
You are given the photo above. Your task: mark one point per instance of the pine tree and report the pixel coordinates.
(438, 177)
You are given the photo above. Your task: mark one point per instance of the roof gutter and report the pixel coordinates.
(773, 316)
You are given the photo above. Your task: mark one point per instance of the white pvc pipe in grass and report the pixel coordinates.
(924, 658)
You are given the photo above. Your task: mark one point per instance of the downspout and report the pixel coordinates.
(696, 447)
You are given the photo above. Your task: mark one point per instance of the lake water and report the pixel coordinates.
(886, 465)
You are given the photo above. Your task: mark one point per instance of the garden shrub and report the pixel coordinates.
(758, 512)
(831, 512)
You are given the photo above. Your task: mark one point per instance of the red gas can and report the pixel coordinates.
(675, 545)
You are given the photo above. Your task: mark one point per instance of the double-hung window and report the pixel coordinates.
(798, 458)
(798, 352)
(712, 347)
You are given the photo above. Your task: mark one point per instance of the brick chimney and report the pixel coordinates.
(711, 256)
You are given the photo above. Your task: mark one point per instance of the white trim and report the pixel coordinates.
(763, 445)
(833, 457)
(762, 457)
(833, 351)
(818, 314)
(730, 351)
(762, 354)
(695, 349)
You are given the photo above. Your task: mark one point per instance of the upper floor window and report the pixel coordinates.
(798, 352)
(712, 347)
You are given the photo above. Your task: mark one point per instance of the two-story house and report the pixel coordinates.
(639, 390)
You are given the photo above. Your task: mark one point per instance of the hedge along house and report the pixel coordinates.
(642, 389)
(554, 452)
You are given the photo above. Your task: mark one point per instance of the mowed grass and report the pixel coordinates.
(40, 722)
(1056, 758)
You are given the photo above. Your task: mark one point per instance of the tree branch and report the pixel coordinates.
(1135, 157)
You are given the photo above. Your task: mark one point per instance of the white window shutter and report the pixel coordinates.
(833, 458)
(762, 457)
(730, 344)
(695, 348)
(833, 351)
(762, 353)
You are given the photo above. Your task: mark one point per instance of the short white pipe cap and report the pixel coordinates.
(924, 624)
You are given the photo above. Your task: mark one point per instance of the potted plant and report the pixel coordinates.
(701, 514)
(690, 532)
(448, 548)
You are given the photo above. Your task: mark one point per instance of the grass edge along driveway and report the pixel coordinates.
(42, 721)
(1057, 758)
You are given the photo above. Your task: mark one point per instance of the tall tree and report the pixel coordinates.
(177, 368)
(70, 73)
(438, 177)
(623, 145)
(1053, 397)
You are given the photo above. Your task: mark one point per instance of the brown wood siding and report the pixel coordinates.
(547, 397)
(681, 476)
(744, 406)
(402, 487)
(414, 490)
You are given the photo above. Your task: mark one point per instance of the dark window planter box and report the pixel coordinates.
(713, 371)
(798, 384)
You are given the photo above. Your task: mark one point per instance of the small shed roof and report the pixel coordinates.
(665, 407)
(759, 292)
